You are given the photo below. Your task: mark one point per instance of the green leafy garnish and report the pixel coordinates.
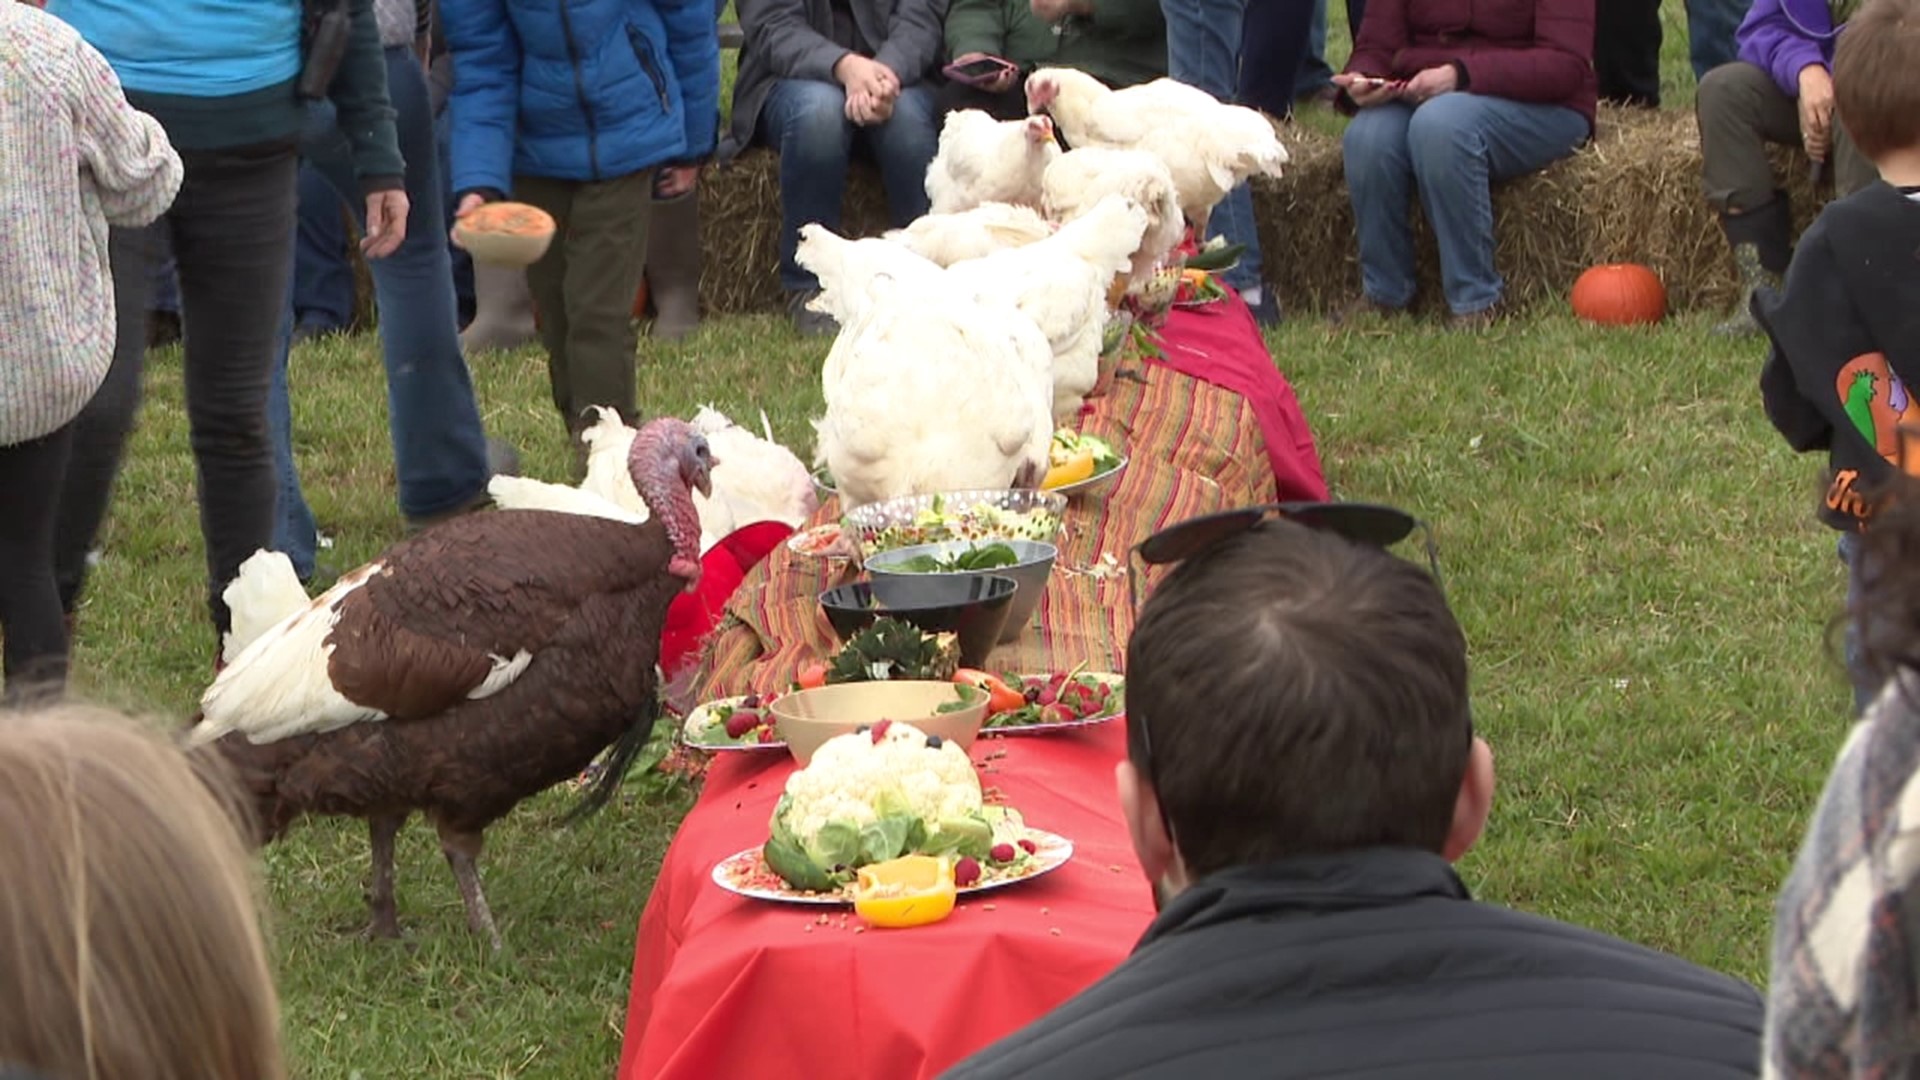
(974, 558)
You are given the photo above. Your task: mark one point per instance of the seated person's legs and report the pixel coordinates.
(903, 147)
(806, 124)
(1461, 144)
(1380, 185)
(1741, 109)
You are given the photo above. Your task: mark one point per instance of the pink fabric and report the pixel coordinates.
(1221, 344)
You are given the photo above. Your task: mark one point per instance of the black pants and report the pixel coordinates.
(30, 615)
(1626, 51)
(232, 233)
(1275, 37)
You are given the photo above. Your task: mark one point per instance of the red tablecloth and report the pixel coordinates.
(729, 987)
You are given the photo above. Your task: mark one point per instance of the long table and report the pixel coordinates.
(725, 986)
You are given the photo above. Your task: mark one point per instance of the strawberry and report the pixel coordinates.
(880, 731)
(966, 872)
(1002, 853)
(767, 735)
(1028, 846)
(1057, 714)
(741, 721)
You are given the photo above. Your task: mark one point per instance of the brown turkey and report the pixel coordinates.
(463, 670)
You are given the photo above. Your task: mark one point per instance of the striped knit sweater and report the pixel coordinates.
(74, 157)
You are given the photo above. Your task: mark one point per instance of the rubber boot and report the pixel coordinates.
(503, 309)
(674, 264)
(1762, 242)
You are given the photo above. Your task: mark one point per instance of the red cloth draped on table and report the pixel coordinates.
(724, 986)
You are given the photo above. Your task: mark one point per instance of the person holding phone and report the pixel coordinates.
(996, 44)
(1445, 106)
(819, 78)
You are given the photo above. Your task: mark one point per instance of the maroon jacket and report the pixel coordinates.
(1538, 51)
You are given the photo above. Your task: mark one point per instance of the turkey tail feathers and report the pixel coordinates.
(613, 771)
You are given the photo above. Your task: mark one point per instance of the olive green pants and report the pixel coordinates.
(1741, 109)
(584, 287)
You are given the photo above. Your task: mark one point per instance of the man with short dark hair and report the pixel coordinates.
(1301, 771)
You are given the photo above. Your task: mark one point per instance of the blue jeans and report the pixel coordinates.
(1203, 50)
(462, 262)
(322, 278)
(805, 121)
(1450, 150)
(439, 446)
(1865, 686)
(1710, 29)
(166, 280)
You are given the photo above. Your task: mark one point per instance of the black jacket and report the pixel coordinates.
(1846, 343)
(1378, 964)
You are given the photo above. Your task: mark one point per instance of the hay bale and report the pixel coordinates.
(740, 229)
(1633, 195)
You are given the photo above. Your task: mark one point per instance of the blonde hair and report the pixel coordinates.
(130, 934)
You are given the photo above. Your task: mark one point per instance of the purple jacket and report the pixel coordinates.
(1783, 36)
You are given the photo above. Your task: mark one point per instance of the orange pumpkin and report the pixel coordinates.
(1620, 294)
(509, 233)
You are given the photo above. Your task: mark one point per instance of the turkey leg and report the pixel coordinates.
(461, 849)
(386, 914)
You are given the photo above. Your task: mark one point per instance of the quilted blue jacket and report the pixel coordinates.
(579, 89)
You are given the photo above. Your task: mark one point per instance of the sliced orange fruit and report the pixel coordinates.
(913, 890)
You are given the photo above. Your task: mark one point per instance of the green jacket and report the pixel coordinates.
(1122, 43)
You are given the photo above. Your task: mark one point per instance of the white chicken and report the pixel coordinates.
(1062, 284)
(1209, 147)
(945, 239)
(844, 267)
(1077, 183)
(761, 481)
(983, 160)
(930, 389)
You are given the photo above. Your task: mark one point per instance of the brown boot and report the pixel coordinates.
(674, 265)
(503, 309)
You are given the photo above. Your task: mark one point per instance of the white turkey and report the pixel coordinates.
(983, 160)
(1208, 146)
(844, 267)
(945, 239)
(1062, 283)
(465, 669)
(929, 389)
(1077, 183)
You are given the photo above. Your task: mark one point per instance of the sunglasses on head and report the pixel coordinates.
(1361, 523)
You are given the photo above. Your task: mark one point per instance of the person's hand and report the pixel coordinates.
(386, 224)
(864, 109)
(468, 204)
(858, 74)
(1816, 110)
(1000, 83)
(1430, 84)
(1053, 11)
(1364, 91)
(676, 180)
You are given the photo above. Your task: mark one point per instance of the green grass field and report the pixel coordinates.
(1629, 546)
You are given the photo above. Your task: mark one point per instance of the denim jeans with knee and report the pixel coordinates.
(439, 446)
(1203, 50)
(1710, 32)
(805, 121)
(1450, 151)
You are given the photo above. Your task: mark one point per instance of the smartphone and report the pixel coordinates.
(979, 72)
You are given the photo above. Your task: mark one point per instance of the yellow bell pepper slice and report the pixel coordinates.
(913, 890)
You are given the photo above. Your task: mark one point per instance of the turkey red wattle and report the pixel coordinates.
(655, 463)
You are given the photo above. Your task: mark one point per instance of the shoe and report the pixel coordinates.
(502, 460)
(163, 328)
(808, 322)
(1359, 307)
(313, 330)
(1762, 243)
(1327, 97)
(674, 265)
(1474, 322)
(1266, 311)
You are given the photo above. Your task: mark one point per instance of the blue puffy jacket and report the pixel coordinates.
(579, 89)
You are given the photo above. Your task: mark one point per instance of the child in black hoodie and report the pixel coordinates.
(1846, 327)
